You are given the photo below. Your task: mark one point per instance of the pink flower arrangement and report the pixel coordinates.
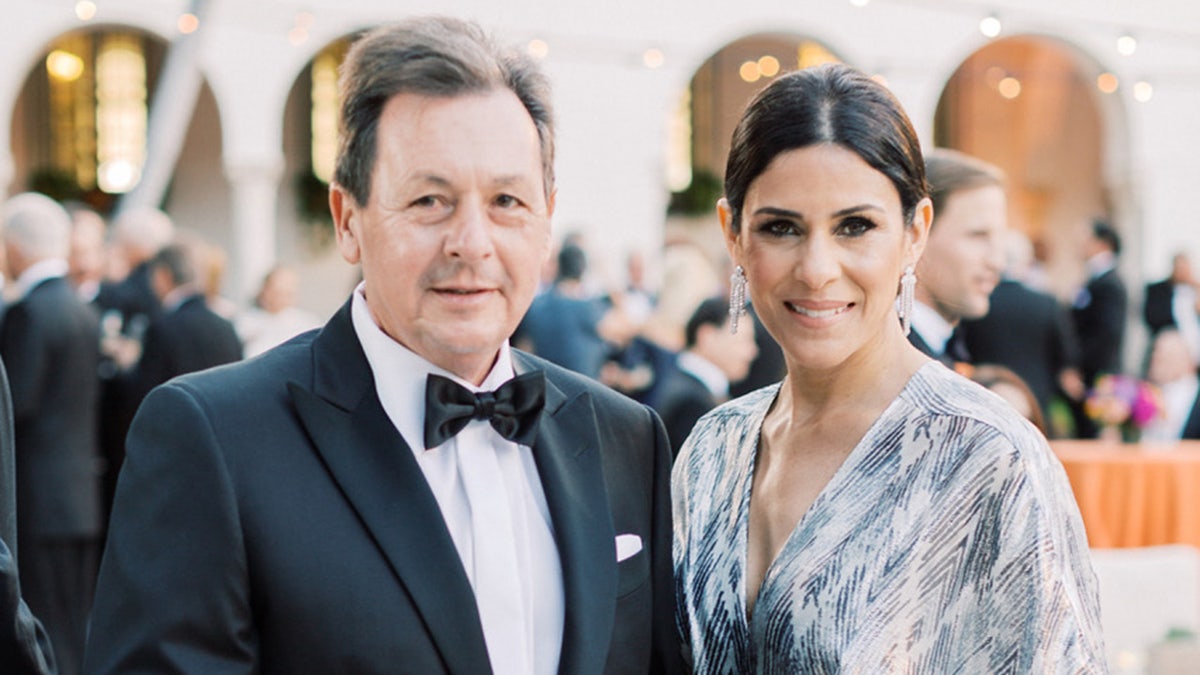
(1123, 401)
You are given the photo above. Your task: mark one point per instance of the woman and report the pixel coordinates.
(874, 512)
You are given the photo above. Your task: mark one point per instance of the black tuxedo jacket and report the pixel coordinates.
(271, 519)
(50, 343)
(24, 645)
(1028, 332)
(1100, 324)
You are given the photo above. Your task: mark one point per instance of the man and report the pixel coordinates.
(563, 325)
(186, 336)
(1175, 302)
(24, 646)
(311, 510)
(1027, 331)
(714, 356)
(1173, 369)
(1099, 309)
(50, 344)
(126, 308)
(964, 255)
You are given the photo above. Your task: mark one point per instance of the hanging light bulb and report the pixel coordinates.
(653, 58)
(990, 26)
(188, 23)
(1126, 45)
(537, 48)
(85, 10)
(1143, 91)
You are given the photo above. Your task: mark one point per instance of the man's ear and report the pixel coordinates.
(346, 222)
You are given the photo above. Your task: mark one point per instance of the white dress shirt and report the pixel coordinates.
(521, 606)
(707, 372)
(1178, 398)
(932, 328)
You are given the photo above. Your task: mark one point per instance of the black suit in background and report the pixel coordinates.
(133, 301)
(1027, 331)
(185, 339)
(684, 400)
(271, 519)
(1099, 318)
(1191, 429)
(24, 645)
(1158, 309)
(50, 343)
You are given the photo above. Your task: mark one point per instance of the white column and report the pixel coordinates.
(170, 114)
(254, 197)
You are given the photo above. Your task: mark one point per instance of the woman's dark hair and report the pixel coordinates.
(831, 103)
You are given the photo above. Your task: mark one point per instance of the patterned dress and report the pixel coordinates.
(948, 542)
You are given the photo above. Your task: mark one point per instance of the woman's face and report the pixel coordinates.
(823, 241)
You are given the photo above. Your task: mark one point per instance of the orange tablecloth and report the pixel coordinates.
(1135, 495)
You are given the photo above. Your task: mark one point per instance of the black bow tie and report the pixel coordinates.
(513, 409)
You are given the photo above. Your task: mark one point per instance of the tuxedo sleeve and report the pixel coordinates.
(173, 593)
(666, 653)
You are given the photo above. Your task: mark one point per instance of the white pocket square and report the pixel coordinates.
(627, 546)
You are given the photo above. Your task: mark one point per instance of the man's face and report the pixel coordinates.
(457, 226)
(965, 254)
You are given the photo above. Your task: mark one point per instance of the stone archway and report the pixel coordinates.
(1041, 111)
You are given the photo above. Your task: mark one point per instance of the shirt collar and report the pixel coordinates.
(1101, 263)
(40, 271)
(400, 373)
(706, 371)
(931, 326)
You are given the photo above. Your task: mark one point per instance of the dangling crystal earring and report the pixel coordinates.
(908, 281)
(737, 297)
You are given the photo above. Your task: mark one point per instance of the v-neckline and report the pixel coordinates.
(839, 476)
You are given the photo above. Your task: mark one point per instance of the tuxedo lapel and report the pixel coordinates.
(567, 453)
(376, 471)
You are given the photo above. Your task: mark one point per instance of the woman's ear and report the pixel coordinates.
(725, 213)
(918, 231)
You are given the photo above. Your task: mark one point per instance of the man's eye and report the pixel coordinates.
(507, 201)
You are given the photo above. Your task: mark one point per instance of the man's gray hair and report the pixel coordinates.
(38, 226)
(429, 56)
(144, 228)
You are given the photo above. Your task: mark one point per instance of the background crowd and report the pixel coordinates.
(97, 314)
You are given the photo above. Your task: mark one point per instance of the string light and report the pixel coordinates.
(1107, 83)
(1143, 91)
(1010, 87)
(1126, 45)
(188, 23)
(990, 26)
(750, 72)
(85, 10)
(538, 49)
(653, 58)
(768, 66)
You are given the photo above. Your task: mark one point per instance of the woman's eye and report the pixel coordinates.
(856, 226)
(777, 228)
